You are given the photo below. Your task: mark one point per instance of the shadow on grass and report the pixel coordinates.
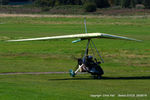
(105, 78)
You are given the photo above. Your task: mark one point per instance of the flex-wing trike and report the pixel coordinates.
(88, 63)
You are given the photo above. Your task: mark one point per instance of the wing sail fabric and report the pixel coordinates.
(117, 37)
(94, 35)
(81, 36)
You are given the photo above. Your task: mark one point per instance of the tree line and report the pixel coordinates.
(97, 3)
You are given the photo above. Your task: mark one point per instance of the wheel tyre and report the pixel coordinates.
(99, 77)
(72, 74)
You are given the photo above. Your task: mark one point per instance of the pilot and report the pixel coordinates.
(86, 64)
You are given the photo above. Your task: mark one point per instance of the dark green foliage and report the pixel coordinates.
(20, 0)
(73, 2)
(128, 3)
(68, 2)
(45, 9)
(117, 2)
(44, 3)
(4, 2)
(139, 1)
(133, 3)
(102, 3)
(125, 3)
(90, 7)
(146, 3)
(99, 3)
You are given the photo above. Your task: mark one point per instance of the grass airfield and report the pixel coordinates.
(126, 67)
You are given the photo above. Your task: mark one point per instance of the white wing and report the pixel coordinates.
(81, 36)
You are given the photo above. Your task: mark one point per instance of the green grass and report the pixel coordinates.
(126, 66)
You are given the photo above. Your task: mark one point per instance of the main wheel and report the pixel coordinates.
(97, 76)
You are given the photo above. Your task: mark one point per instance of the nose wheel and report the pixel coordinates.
(72, 73)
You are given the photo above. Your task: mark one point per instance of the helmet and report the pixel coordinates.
(90, 57)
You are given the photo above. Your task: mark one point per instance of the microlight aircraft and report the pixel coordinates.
(88, 63)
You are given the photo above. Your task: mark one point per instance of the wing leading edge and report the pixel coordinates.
(81, 36)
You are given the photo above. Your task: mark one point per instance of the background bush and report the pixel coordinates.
(146, 3)
(90, 7)
(4, 2)
(45, 3)
(102, 3)
(99, 3)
